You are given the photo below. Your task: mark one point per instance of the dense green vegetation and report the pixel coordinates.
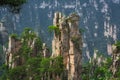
(34, 67)
(12, 2)
(54, 28)
(117, 44)
(94, 70)
(38, 67)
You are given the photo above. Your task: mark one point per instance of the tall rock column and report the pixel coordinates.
(56, 39)
(75, 51)
(68, 43)
(3, 41)
(65, 36)
(13, 47)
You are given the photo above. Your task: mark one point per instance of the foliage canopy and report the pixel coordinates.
(15, 5)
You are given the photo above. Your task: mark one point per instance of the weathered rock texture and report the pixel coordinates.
(45, 51)
(3, 41)
(67, 42)
(3, 34)
(13, 57)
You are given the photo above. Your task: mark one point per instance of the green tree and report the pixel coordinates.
(28, 34)
(54, 28)
(15, 5)
(14, 36)
(35, 67)
(92, 71)
(17, 73)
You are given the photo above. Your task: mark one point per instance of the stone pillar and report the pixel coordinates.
(3, 41)
(10, 51)
(46, 52)
(65, 36)
(12, 59)
(75, 52)
(68, 44)
(56, 39)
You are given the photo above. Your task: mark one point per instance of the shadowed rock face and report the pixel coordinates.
(3, 34)
(12, 57)
(68, 43)
(3, 41)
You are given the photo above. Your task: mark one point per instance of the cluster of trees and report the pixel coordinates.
(102, 71)
(34, 67)
(14, 5)
(12, 2)
(41, 68)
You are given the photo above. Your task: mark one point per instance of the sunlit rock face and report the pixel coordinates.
(67, 42)
(100, 20)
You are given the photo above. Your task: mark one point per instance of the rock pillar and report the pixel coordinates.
(75, 51)
(68, 43)
(56, 39)
(12, 59)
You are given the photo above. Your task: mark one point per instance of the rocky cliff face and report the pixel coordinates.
(99, 19)
(12, 59)
(15, 46)
(67, 42)
(3, 40)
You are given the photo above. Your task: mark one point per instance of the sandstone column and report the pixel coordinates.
(56, 38)
(75, 51)
(68, 43)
